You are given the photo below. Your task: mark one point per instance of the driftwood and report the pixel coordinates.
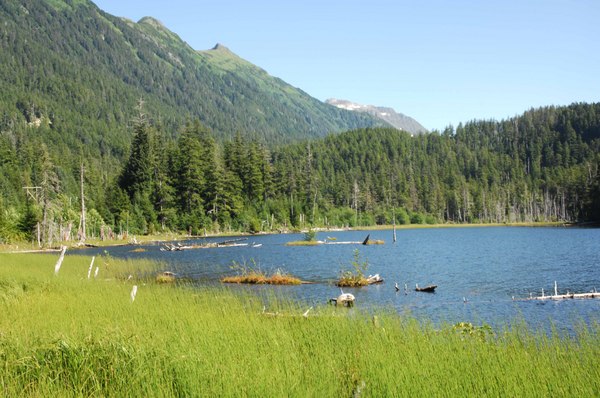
(427, 289)
(568, 296)
(344, 299)
(170, 247)
(591, 295)
(372, 279)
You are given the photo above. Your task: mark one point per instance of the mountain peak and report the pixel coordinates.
(152, 21)
(387, 114)
(221, 47)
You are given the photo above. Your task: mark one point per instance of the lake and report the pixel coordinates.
(478, 271)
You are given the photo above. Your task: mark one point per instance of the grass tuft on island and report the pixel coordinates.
(258, 278)
(304, 243)
(67, 335)
(352, 281)
(355, 276)
(375, 242)
(254, 275)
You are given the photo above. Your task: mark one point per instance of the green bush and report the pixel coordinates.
(310, 235)
(417, 218)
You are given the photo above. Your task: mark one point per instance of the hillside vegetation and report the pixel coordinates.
(165, 138)
(77, 73)
(539, 167)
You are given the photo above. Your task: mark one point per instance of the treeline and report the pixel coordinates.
(541, 166)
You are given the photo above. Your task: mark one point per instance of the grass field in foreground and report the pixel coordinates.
(67, 335)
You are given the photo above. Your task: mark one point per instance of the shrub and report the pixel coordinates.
(310, 235)
(356, 276)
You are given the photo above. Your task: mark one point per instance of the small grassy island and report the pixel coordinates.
(122, 333)
(310, 239)
(254, 276)
(355, 277)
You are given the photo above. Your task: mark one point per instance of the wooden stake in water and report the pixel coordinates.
(60, 260)
(555, 289)
(133, 292)
(91, 265)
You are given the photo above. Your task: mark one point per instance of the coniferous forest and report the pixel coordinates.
(540, 166)
(148, 135)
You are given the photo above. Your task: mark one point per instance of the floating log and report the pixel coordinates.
(568, 296)
(372, 279)
(320, 242)
(232, 242)
(169, 247)
(427, 289)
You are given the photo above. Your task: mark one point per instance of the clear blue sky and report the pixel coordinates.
(441, 62)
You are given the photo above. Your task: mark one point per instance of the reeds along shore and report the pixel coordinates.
(66, 335)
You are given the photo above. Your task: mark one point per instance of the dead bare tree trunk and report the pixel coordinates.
(82, 236)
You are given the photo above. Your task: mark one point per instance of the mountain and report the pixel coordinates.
(80, 72)
(389, 115)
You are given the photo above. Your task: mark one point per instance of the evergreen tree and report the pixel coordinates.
(191, 178)
(30, 220)
(139, 174)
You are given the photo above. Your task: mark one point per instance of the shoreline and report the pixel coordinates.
(136, 240)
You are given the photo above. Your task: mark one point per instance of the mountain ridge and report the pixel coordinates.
(86, 70)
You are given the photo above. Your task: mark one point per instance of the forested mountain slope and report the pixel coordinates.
(543, 165)
(71, 77)
(193, 156)
(70, 66)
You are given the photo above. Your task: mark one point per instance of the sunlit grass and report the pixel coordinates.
(304, 243)
(350, 280)
(375, 242)
(67, 335)
(262, 279)
(254, 275)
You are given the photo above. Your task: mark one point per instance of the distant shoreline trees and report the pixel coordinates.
(541, 166)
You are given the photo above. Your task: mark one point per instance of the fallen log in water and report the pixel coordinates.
(373, 279)
(227, 243)
(568, 296)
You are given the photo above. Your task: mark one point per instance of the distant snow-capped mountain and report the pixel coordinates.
(389, 115)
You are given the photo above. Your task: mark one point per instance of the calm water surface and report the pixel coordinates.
(485, 266)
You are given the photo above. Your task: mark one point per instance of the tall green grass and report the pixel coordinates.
(66, 335)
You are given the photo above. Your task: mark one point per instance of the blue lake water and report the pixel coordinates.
(486, 266)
